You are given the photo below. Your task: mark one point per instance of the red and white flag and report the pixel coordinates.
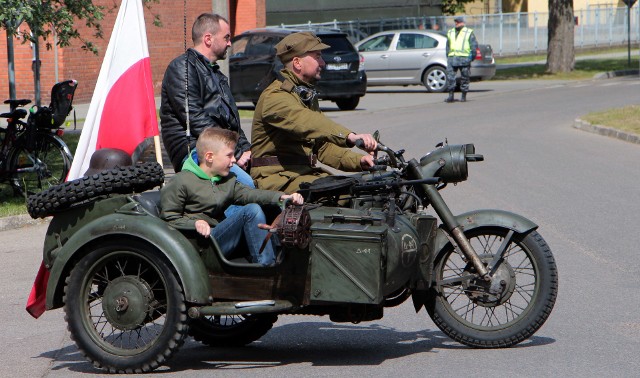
(122, 112)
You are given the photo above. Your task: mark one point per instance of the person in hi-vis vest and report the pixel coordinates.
(461, 50)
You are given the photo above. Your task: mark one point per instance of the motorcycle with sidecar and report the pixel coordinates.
(133, 287)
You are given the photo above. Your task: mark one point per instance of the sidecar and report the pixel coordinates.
(133, 287)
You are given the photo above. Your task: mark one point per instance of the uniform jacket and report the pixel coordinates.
(210, 104)
(284, 126)
(472, 44)
(192, 195)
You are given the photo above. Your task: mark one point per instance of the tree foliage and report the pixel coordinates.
(452, 7)
(45, 16)
(560, 50)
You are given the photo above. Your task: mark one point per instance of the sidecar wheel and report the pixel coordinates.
(231, 330)
(470, 315)
(119, 180)
(124, 308)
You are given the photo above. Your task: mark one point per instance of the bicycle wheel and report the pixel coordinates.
(40, 167)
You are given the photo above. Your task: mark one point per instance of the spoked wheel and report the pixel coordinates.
(125, 309)
(40, 166)
(231, 330)
(505, 311)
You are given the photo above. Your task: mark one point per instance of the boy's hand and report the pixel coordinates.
(203, 228)
(296, 198)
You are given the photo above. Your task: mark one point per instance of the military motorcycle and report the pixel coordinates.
(133, 287)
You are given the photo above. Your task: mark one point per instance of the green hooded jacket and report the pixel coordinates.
(192, 195)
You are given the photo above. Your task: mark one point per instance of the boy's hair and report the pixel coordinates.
(211, 138)
(206, 23)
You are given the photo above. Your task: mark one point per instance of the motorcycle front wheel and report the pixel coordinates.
(473, 312)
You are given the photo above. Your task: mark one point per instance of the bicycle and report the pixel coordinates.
(33, 157)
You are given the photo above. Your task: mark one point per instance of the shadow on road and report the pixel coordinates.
(321, 344)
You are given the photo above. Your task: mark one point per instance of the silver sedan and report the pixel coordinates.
(414, 57)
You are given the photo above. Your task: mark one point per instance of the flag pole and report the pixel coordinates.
(156, 143)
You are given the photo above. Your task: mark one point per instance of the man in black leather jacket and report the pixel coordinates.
(210, 100)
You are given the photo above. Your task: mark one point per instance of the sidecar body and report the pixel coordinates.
(354, 260)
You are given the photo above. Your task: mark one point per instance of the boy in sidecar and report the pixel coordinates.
(198, 195)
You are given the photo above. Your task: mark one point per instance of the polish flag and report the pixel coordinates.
(122, 112)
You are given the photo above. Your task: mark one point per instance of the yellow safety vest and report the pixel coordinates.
(459, 45)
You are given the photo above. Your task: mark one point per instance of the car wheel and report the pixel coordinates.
(435, 79)
(348, 103)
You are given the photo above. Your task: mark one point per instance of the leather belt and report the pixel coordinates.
(267, 161)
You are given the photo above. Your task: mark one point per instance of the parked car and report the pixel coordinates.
(253, 65)
(414, 57)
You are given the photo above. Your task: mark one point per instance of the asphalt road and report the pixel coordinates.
(582, 189)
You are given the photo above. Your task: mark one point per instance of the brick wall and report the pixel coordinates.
(165, 43)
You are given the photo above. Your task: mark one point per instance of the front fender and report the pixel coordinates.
(166, 239)
(487, 218)
(470, 221)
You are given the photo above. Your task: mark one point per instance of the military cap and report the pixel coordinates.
(458, 19)
(298, 44)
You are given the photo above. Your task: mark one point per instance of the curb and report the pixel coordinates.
(18, 221)
(612, 74)
(606, 131)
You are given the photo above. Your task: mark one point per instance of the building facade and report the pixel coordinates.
(165, 43)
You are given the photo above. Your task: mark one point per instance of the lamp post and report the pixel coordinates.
(629, 5)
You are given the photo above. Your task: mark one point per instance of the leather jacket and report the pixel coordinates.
(210, 104)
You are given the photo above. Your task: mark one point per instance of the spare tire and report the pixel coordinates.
(119, 180)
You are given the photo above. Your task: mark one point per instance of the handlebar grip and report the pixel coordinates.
(360, 144)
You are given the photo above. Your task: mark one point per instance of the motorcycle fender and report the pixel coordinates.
(167, 240)
(470, 221)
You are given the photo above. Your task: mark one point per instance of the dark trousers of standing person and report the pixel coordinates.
(452, 68)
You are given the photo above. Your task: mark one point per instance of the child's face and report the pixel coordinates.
(221, 160)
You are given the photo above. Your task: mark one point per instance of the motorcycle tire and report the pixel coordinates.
(469, 314)
(231, 330)
(119, 180)
(124, 307)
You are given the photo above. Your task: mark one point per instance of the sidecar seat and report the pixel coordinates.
(150, 201)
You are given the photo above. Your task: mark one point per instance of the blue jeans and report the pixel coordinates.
(244, 221)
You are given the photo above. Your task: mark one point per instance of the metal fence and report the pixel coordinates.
(509, 33)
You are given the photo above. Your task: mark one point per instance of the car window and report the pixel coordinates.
(238, 46)
(408, 41)
(261, 45)
(380, 43)
(337, 43)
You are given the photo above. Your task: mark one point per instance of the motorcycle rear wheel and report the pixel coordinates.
(231, 330)
(469, 315)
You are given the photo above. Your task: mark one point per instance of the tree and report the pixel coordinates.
(46, 16)
(451, 7)
(560, 50)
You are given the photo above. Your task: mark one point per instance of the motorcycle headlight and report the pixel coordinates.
(449, 162)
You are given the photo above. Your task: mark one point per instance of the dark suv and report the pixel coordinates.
(253, 65)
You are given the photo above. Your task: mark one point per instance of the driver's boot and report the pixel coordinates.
(464, 97)
(450, 98)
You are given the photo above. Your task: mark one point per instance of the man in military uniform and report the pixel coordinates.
(461, 50)
(290, 133)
